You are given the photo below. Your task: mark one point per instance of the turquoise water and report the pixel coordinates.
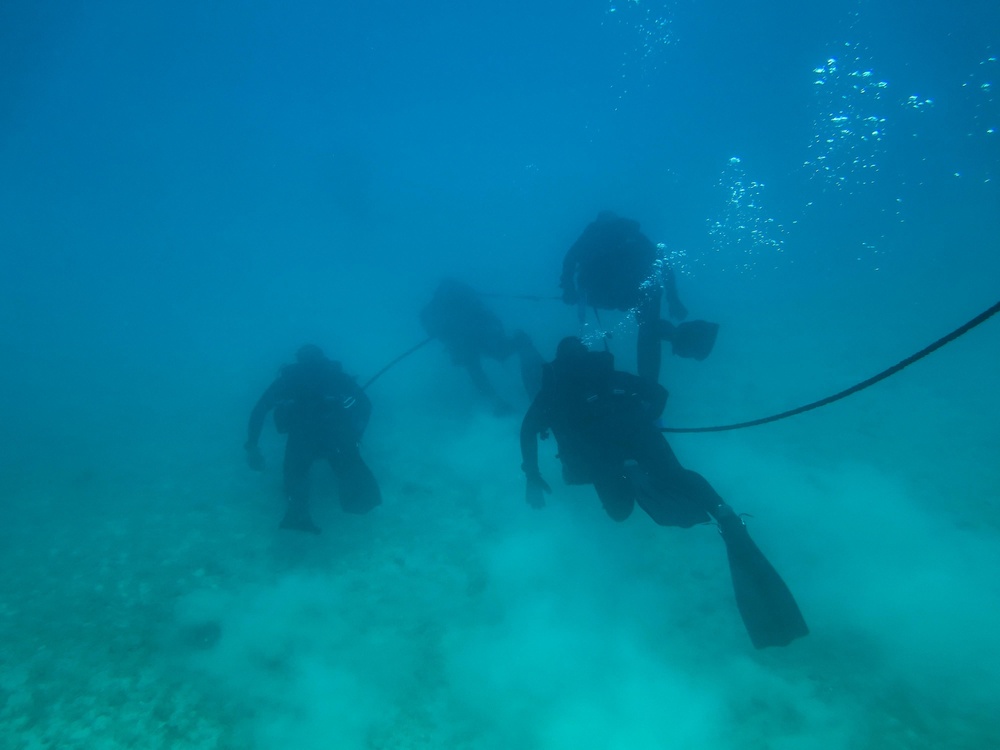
(189, 193)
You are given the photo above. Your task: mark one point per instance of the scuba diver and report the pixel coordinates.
(603, 421)
(457, 317)
(614, 266)
(324, 413)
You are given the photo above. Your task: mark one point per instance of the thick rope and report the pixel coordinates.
(400, 358)
(981, 318)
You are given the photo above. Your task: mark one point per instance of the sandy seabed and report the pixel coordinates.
(157, 606)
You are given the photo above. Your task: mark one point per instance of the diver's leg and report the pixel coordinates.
(299, 454)
(475, 367)
(616, 493)
(681, 497)
(649, 350)
(359, 490)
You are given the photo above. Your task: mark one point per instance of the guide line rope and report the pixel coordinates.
(888, 372)
(963, 329)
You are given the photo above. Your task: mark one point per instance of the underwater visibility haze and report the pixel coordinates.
(189, 192)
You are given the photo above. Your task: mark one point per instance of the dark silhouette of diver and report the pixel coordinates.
(324, 413)
(614, 266)
(603, 421)
(457, 317)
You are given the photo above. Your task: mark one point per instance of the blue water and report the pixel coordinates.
(189, 192)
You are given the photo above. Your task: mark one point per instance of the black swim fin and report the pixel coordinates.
(297, 517)
(768, 609)
(691, 340)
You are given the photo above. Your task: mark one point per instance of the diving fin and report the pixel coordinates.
(297, 517)
(768, 609)
(691, 340)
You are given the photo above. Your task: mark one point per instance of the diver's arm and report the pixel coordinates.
(364, 406)
(255, 459)
(567, 279)
(535, 486)
(530, 427)
(358, 407)
(430, 319)
(264, 404)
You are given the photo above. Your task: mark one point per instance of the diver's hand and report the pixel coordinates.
(255, 459)
(535, 489)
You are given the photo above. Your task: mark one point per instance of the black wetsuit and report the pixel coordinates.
(603, 422)
(324, 412)
(457, 317)
(612, 266)
(602, 419)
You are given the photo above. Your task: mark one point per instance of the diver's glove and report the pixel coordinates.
(535, 488)
(255, 459)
